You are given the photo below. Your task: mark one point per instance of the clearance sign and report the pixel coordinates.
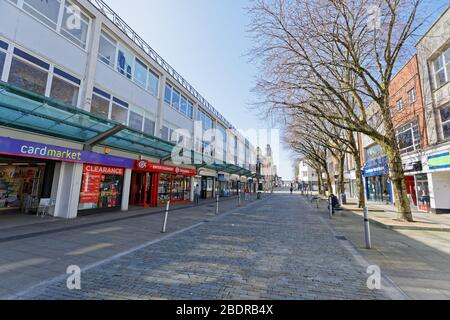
(24, 148)
(143, 165)
(93, 177)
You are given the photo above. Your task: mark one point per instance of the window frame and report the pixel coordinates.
(445, 67)
(58, 25)
(400, 105)
(444, 122)
(412, 93)
(411, 127)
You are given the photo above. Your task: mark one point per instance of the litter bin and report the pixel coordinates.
(343, 198)
(258, 196)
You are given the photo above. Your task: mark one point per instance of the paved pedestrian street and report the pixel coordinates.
(277, 248)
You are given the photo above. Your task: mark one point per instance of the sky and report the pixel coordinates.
(206, 42)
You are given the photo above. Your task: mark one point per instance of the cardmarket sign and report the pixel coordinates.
(24, 148)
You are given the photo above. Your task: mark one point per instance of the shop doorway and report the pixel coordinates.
(423, 193)
(141, 190)
(411, 189)
(23, 183)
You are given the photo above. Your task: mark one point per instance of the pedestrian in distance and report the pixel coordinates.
(197, 194)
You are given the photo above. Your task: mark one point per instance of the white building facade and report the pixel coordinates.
(91, 117)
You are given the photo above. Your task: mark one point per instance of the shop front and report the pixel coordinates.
(101, 187)
(31, 173)
(438, 181)
(154, 184)
(378, 184)
(223, 185)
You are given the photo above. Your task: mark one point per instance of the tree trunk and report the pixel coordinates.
(398, 182)
(329, 183)
(341, 174)
(319, 182)
(359, 181)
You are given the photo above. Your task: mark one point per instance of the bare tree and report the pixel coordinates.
(330, 59)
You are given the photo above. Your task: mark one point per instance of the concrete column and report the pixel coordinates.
(67, 188)
(160, 115)
(91, 65)
(431, 187)
(192, 188)
(126, 190)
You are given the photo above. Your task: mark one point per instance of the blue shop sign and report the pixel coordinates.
(377, 167)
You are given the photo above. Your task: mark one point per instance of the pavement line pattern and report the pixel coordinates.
(63, 277)
(276, 249)
(387, 284)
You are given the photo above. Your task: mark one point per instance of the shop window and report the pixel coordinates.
(107, 49)
(140, 73)
(164, 188)
(136, 121)
(125, 62)
(119, 113)
(27, 76)
(153, 83)
(100, 106)
(149, 127)
(46, 11)
(75, 25)
(65, 88)
(445, 119)
(408, 137)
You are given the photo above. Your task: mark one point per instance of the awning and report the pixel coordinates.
(24, 110)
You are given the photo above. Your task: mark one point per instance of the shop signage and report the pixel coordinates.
(223, 178)
(439, 161)
(23, 148)
(376, 167)
(92, 180)
(144, 165)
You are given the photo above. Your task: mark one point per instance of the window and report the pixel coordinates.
(153, 83)
(408, 137)
(140, 73)
(119, 111)
(107, 49)
(165, 133)
(2, 62)
(28, 76)
(125, 62)
(412, 96)
(400, 105)
(75, 25)
(168, 94)
(65, 88)
(100, 106)
(149, 126)
(69, 21)
(441, 68)
(183, 105)
(190, 110)
(46, 11)
(445, 120)
(176, 99)
(136, 121)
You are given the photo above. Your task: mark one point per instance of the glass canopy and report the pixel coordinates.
(25, 110)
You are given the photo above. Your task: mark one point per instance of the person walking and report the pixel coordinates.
(197, 194)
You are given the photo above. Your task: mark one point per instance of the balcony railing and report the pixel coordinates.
(130, 33)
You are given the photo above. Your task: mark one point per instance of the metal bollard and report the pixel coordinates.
(239, 200)
(367, 229)
(166, 217)
(317, 202)
(217, 205)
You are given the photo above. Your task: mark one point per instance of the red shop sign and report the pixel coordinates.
(143, 165)
(91, 168)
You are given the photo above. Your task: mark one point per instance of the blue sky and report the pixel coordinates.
(206, 42)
